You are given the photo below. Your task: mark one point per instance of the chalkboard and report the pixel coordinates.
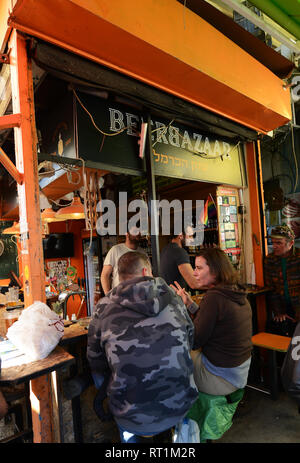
(8, 259)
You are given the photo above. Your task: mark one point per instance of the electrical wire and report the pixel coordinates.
(202, 154)
(94, 123)
(295, 157)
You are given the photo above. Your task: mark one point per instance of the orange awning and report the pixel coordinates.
(164, 45)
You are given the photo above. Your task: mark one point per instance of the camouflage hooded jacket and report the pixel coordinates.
(141, 336)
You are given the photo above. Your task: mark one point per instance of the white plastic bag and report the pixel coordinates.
(186, 432)
(37, 332)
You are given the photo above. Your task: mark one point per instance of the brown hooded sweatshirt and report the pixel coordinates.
(223, 326)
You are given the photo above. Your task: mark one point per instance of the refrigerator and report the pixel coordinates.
(93, 263)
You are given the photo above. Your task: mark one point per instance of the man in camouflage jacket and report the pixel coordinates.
(139, 343)
(282, 273)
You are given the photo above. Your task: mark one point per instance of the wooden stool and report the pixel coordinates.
(274, 343)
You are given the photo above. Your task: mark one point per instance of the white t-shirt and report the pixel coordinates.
(113, 257)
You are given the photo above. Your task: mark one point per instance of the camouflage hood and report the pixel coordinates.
(145, 295)
(140, 339)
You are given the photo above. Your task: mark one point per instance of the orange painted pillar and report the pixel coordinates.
(30, 220)
(258, 225)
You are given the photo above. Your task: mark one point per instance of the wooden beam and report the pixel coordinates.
(257, 225)
(11, 168)
(5, 88)
(31, 254)
(9, 121)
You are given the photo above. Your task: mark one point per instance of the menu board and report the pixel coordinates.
(227, 203)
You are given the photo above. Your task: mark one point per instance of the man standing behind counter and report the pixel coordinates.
(109, 274)
(175, 262)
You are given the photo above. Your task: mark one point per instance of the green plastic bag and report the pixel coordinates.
(214, 413)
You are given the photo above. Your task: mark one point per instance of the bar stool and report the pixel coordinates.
(18, 409)
(273, 343)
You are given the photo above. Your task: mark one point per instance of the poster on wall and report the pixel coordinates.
(290, 215)
(227, 201)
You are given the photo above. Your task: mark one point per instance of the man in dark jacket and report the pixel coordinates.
(175, 262)
(282, 273)
(139, 344)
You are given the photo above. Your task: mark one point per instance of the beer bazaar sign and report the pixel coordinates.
(178, 151)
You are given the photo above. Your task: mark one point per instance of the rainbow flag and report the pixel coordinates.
(209, 211)
(211, 208)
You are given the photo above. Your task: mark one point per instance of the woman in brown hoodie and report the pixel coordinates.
(223, 325)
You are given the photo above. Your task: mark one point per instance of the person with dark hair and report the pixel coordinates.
(139, 343)
(282, 274)
(223, 325)
(175, 262)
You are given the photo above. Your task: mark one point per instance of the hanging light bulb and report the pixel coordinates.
(48, 216)
(74, 211)
(14, 230)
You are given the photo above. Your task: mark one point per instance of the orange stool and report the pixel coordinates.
(274, 343)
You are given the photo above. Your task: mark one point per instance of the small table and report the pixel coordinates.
(25, 372)
(30, 372)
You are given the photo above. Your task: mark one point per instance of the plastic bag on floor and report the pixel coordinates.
(214, 413)
(37, 331)
(186, 432)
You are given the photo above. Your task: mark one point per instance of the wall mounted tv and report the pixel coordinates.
(58, 245)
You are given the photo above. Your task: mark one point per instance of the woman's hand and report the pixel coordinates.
(187, 300)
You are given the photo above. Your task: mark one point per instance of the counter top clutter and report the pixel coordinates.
(17, 366)
(37, 331)
(11, 298)
(14, 353)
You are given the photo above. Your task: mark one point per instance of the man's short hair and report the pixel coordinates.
(131, 264)
(283, 231)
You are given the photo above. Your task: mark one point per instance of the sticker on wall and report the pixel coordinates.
(26, 272)
(57, 268)
(72, 272)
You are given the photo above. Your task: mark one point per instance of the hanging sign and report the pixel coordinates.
(109, 132)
